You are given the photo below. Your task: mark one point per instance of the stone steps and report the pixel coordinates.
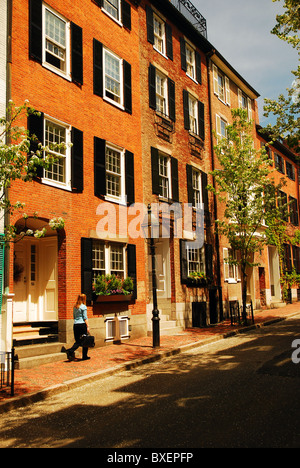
(166, 326)
(36, 344)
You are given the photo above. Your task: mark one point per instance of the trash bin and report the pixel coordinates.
(199, 314)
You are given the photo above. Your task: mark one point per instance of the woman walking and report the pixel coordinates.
(80, 327)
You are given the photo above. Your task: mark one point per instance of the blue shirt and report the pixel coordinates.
(80, 314)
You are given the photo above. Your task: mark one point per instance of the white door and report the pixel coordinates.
(274, 270)
(20, 312)
(35, 280)
(163, 272)
(48, 300)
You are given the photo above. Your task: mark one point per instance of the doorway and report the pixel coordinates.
(35, 280)
(274, 271)
(163, 271)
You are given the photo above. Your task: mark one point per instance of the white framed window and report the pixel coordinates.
(159, 34)
(231, 271)
(108, 259)
(161, 93)
(221, 125)
(196, 260)
(113, 8)
(221, 85)
(115, 173)
(58, 173)
(164, 171)
(113, 78)
(197, 189)
(245, 103)
(111, 327)
(193, 115)
(190, 61)
(56, 42)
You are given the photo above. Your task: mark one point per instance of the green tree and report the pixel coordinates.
(19, 162)
(245, 187)
(286, 109)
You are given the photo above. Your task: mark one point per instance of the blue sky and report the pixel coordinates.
(240, 31)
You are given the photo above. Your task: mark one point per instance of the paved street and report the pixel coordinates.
(238, 392)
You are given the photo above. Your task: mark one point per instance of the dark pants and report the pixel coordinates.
(79, 330)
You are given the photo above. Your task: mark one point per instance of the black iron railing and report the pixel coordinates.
(7, 370)
(192, 15)
(236, 312)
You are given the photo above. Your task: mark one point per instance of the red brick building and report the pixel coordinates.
(137, 91)
(285, 167)
(78, 65)
(176, 138)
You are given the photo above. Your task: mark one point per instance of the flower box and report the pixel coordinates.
(114, 298)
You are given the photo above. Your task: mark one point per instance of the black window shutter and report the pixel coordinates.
(152, 87)
(126, 15)
(76, 53)
(131, 266)
(129, 177)
(189, 179)
(209, 260)
(99, 167)
(296, 255)
(183, 54)
(183, 261)
(99, 3)
(155, 173)
(77, 160)
(35, 30)
(205, 196)
(287, 258)
(171, 94)
(169, 41)
(150, 26)
(98, 68)
(174, 176)
(201, 120)
(87, 268)
(198, 67)
(35, 125)
(186, 113)
(127, 87)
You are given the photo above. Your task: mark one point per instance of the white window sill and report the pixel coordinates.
(118, 200)
(161, 53)
(66, 76)
(117, 21)
(114, 103)
(57, 184)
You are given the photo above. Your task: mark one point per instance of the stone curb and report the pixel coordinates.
(23, 400)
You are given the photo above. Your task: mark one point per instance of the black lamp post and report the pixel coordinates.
(151, 231)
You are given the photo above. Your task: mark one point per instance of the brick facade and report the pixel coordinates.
(158, 115)
(78, 106)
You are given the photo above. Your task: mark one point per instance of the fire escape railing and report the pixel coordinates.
(191, 13)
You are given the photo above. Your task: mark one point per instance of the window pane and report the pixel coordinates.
(55, 40)
(158, 34)
(161, 93)
(113, 172)
(98, 259)
(112, 77)
(116, 260)
(196, 189)
(55, 135)
(112, 7)
(164, 176)
(190, 60)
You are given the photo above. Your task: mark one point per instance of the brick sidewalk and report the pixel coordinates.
(54, 377)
